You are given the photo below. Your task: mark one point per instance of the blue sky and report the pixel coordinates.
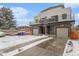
(25, 12)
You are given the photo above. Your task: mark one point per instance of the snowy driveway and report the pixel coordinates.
(9, 41)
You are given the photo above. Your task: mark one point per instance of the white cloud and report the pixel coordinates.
(72, 5)
(76, 15)
(77, 19)
(19, 12)
(23, 22)
(1, 6)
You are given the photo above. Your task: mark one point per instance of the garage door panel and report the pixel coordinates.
(62, 32)
(35, 31)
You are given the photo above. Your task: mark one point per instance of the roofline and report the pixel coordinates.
(52, 8)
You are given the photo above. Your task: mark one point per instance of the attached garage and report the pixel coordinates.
(62, 32)
(35, 31)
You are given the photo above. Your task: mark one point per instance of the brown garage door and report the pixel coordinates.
(62, 32)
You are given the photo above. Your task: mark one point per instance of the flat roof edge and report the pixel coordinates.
(52, 8)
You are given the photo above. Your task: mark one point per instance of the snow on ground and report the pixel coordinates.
(74, 48)
(14, 52)
(9, 41)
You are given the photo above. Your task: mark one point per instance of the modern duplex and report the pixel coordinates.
(56, 20)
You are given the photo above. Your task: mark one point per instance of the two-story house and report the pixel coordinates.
(56, 20)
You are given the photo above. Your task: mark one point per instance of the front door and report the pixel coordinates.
(42, 30)
(48, 30)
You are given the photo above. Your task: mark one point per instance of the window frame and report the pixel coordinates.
(64, 16)
(55, 18)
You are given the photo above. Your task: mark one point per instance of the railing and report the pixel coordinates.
(32, 23)
(43, 21)
(47, 21)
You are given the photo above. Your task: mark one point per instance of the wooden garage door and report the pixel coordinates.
(35, 31)
(62, 32)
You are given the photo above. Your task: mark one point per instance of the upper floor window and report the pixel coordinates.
(54, 18)
(64, 16)
(36, 20)
(42, 18)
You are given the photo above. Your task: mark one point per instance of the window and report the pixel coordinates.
(54, 18)
(42, 18)
(64, 16)
(36, 20)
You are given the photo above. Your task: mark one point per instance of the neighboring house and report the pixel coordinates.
(14, 31)
(11, 31)
(56, 20)
(27, 29)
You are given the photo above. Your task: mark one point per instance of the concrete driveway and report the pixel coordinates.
(9, 45)
(9, 41)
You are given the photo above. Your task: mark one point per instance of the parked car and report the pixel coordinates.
(2, 34)
(22, 33)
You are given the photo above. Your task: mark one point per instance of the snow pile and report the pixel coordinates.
(72, 49)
